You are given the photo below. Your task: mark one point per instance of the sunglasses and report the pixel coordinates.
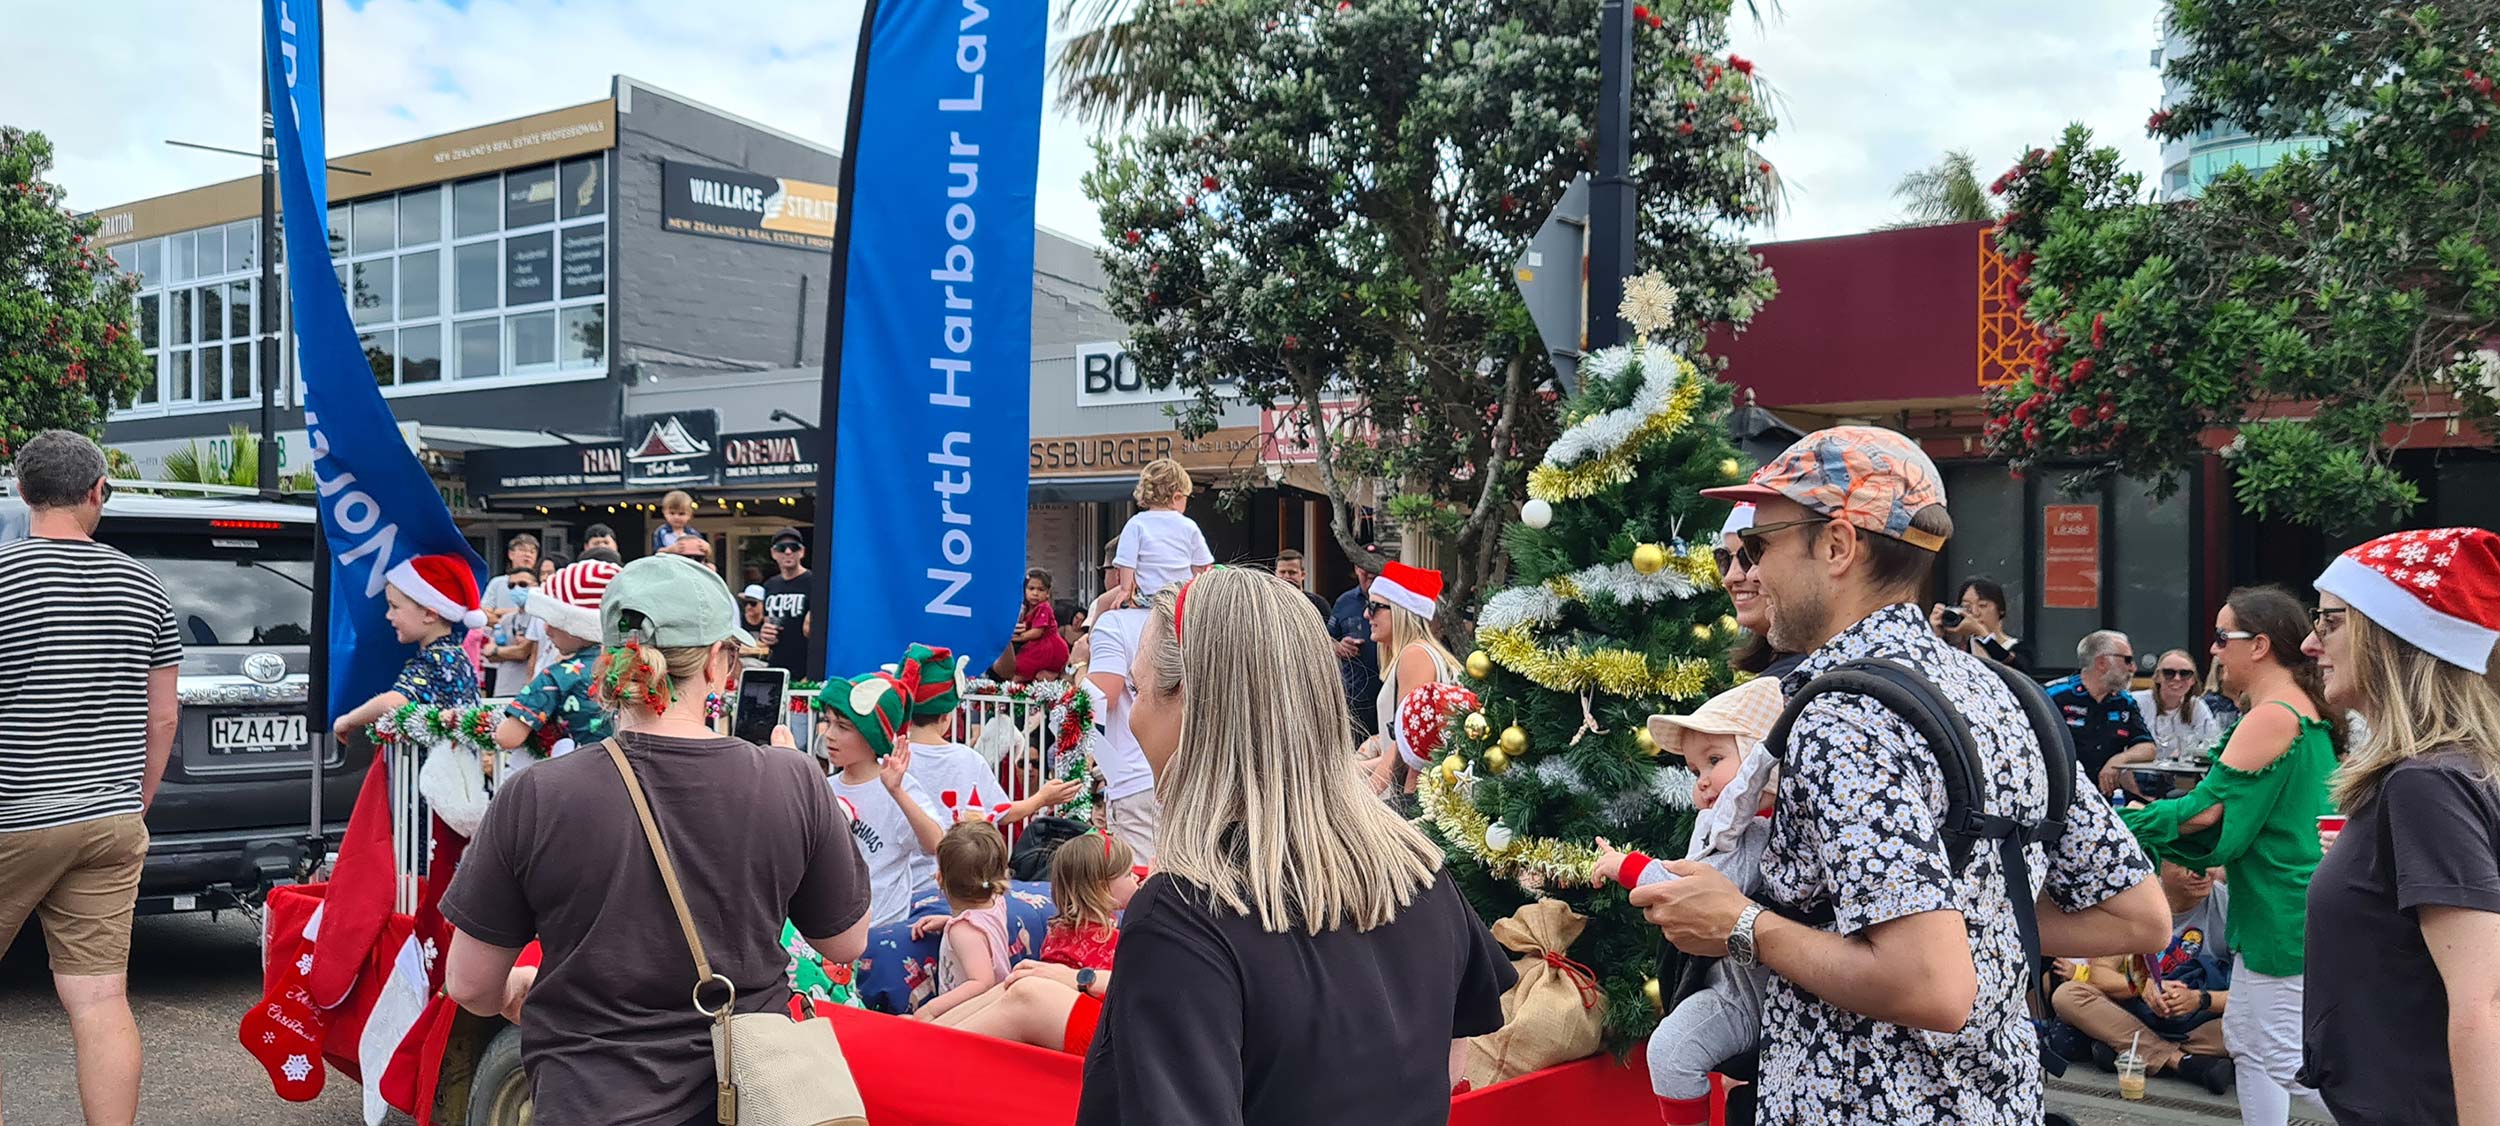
(2224, 637)
(1750, 541)
(782, 547)
(2178, 674)
(2327, 620)
(1375, 607)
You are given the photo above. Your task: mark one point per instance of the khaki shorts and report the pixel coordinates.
(1133, 819)
(83, 880)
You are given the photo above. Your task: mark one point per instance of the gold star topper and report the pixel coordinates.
(1648, 304)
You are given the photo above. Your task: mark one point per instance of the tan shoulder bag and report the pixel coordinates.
(782, 1072)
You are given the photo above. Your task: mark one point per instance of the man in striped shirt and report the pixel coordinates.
(89, 661)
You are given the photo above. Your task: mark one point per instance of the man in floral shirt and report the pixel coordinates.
(1903, 1002)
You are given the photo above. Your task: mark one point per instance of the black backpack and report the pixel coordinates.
(1907, 693)
(1042, 837)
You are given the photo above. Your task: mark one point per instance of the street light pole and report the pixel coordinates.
(1613, 209)
(268, 294)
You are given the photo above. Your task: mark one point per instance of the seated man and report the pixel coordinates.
(2171, 1008)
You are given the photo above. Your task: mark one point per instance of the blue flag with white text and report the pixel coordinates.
(936, 332)
(377, 503)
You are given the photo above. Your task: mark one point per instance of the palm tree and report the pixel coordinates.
(191, 465)
(1947, 192)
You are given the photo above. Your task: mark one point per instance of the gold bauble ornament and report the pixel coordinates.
(1479, 666)
(1645, 741)
(1496, 761)
(1701, 632)
(1651, 994)
(1649, 559)
(1451, 766)
(1478, 727)
(1730, 467)
(1727, 623)
(1514, 738)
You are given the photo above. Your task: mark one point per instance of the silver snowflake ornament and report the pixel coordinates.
(297, 1068)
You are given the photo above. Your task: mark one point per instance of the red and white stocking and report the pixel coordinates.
(284, 1033)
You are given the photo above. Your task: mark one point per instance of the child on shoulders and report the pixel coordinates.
(893, 819)
(1721, 743)
(1160, 545)
(972, 958)
(676, 520)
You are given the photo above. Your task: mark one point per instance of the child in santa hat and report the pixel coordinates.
(433, 598)
(556, 707)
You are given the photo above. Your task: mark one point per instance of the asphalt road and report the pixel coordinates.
(191, 981)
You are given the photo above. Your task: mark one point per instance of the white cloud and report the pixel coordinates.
(1869, 89)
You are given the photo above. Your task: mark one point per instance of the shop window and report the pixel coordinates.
(585, 341)
(2155, 580)
(421, 354)
(421, 217)
(239, 310)
(421, 285)
(476, 207)
(529, 269)
(585, 265)
(211, 256)
(180, 255)
(212, 312)
(239, 372)
(1981, 547)
(340, 224)
(476, 276)
(148, 261)
(382, 355)
(585, 188)
(529, 197)
(212, 374)
(149, 303)
(179, 302)
(481, 348)
(243, 245)
(178, 376)
(150, 380)
(533, 341)
(376, 292)
(377, 222)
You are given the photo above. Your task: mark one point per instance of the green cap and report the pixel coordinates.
(875, 704)
(669, 601)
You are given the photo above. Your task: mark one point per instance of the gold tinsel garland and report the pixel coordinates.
(1551, 483)
(1619, 671)
(1555, 864)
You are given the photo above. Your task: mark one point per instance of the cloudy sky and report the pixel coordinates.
(1869, 89)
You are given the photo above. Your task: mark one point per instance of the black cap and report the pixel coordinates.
(790, 535)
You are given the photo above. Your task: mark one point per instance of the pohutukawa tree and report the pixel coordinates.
(2317, 306)
(67, 351)
(1322, 202)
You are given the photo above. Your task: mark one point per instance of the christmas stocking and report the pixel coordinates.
(358, 898)
(395, 1013)
(284, 1032)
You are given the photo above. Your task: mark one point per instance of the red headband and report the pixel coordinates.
(1179, 603)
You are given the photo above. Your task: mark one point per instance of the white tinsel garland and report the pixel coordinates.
(1602, 433)
(1530, 606)
(1538, 606)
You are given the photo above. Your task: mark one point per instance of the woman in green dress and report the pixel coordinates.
(2255, 817)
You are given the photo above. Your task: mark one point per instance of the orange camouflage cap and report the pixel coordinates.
(1874, 478)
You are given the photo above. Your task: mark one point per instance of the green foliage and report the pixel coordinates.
(67, 352)
(2320, 304)
(1325, 203)
(1604, 785)
(1947, 192)
(190, 464)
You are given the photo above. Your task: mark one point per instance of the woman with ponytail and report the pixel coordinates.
(607, 1033)
(2255, 817)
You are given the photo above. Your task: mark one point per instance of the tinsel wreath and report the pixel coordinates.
(452, 776)
(1073, 735)
(1597, 453)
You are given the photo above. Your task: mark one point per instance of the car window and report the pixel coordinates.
(251, 588)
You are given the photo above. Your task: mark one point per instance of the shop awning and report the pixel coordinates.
(1080, 490)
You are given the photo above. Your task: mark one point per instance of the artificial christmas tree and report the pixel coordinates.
(1615, 614)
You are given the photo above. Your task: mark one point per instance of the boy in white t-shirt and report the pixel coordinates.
(963, 781)
(893, 819)
(1160, 545)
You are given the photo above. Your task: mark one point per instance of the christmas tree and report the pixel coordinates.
(1615, 614)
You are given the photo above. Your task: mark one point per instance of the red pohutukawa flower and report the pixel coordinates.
(1740, 64)
(1130, 237)
(2100, 330)
(1210, 183)
(2154, 123)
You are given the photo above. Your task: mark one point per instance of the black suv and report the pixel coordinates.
(233, 814)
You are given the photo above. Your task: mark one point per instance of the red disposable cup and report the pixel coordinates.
(2330, 822)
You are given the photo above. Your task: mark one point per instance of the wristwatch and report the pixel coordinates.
(1740, 940)
(1085, 981)
(2204, 1000)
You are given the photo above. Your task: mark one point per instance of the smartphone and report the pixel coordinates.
(762, 694)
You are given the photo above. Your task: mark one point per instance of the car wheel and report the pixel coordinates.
(499, 1095)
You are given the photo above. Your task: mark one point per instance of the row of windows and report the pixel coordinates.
(501, 275)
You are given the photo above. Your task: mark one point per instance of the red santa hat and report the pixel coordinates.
(1412, 589)
(2437, 588)
(441, 583)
